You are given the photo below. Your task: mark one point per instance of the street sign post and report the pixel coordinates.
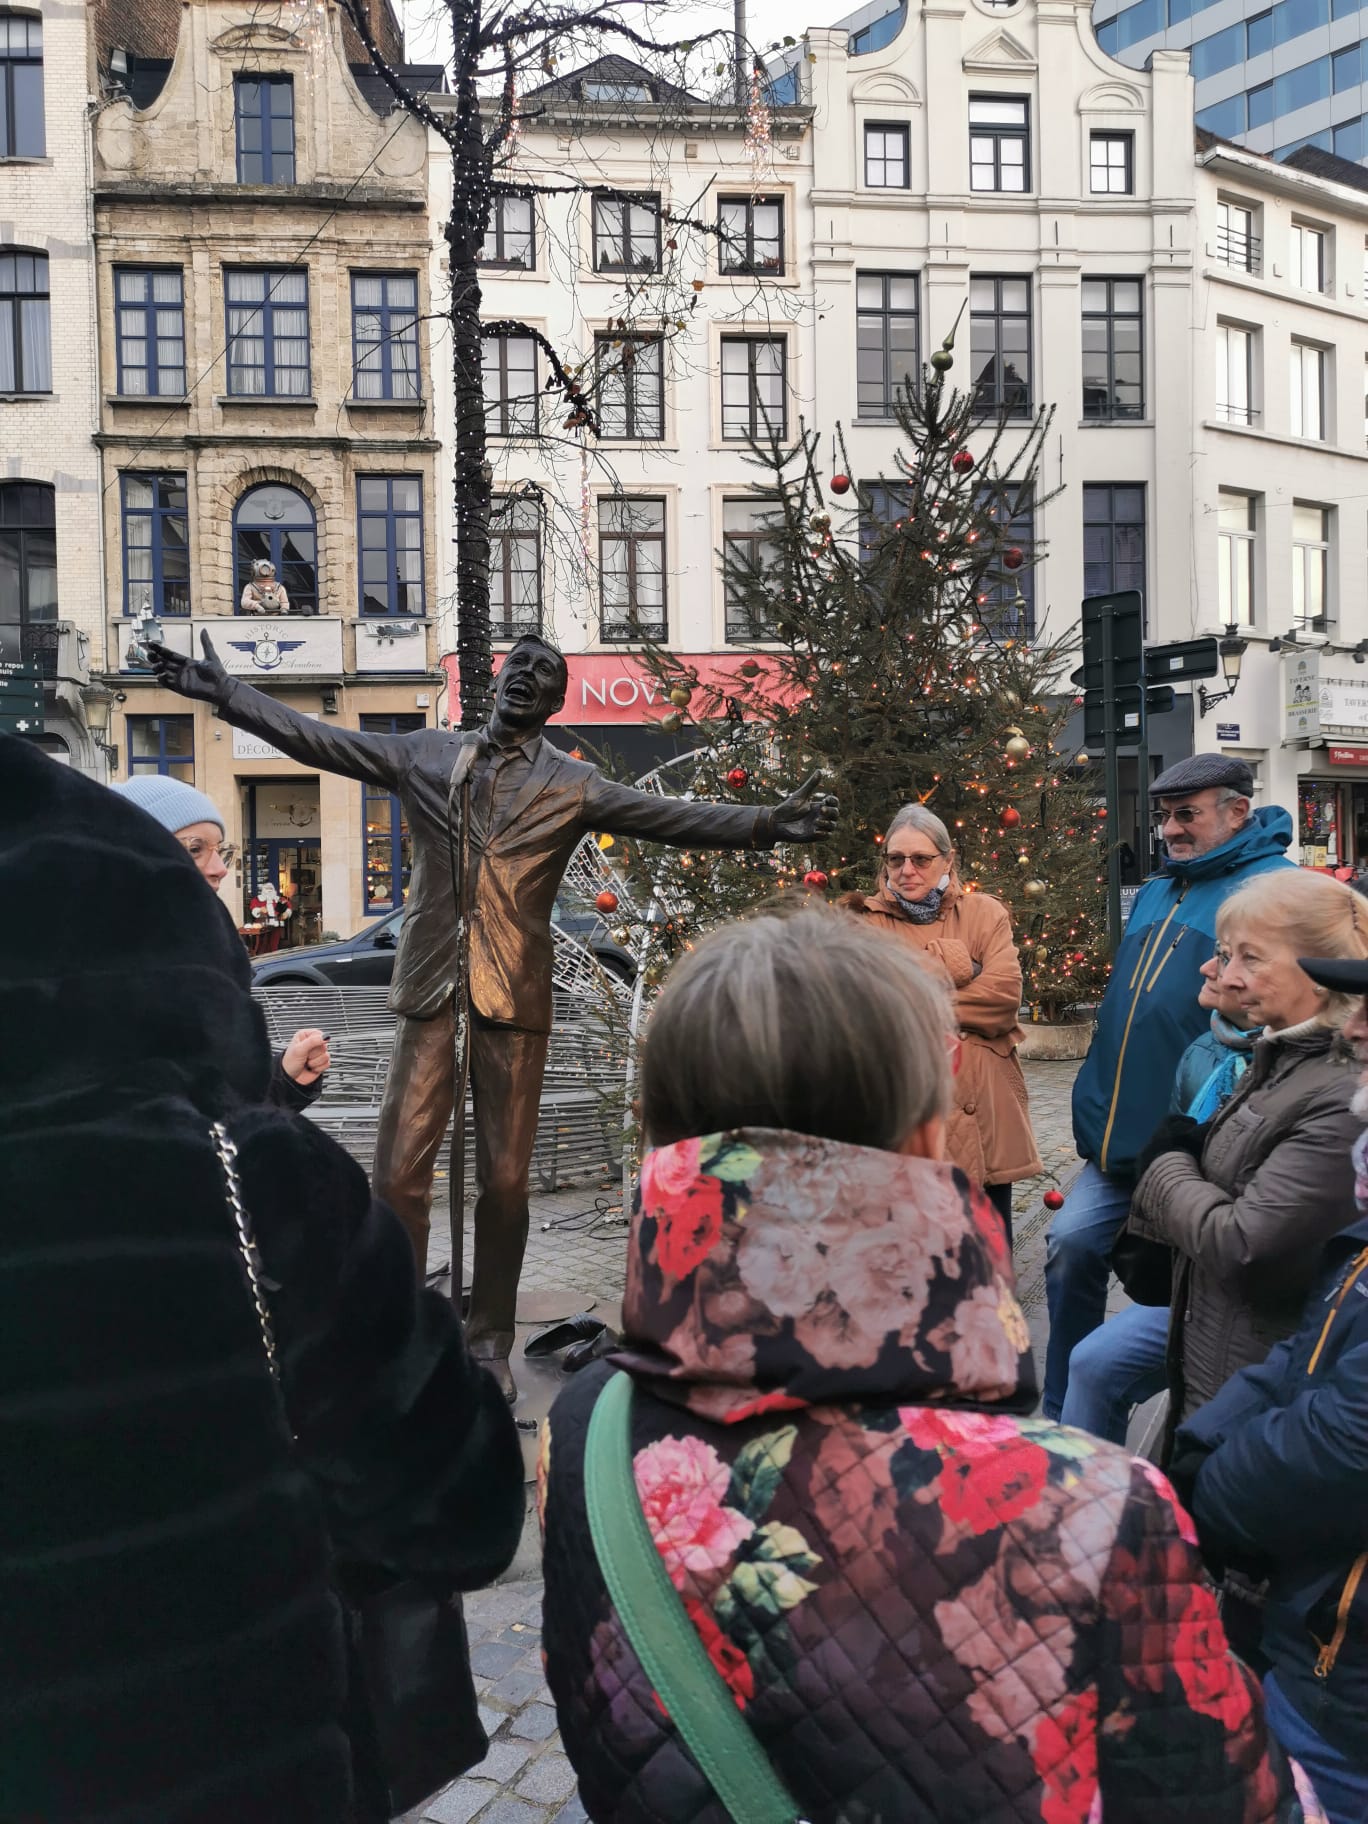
(21, 702)
(1114, 707)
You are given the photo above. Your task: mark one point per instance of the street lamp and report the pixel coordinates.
(1231, 652)
(99, 702)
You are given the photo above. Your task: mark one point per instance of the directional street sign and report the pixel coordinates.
(1181, 659)
(21, 702)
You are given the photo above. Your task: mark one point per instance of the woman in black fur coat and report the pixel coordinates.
(170, 1649)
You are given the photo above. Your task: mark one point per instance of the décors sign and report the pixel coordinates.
(608, 687)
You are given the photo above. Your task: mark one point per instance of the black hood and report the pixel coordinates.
(121, 974)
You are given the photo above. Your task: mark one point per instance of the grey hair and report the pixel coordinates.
(917, 817)
(807, 1022)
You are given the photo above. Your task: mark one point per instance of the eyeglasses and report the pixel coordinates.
(1189, 813)
(921, 863)
(197, 850)
(1220, 957)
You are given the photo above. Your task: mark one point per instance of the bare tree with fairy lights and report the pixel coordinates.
(901, 650)
(504, 65)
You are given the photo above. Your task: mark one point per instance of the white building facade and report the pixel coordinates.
(49, 466)
(1279, 482)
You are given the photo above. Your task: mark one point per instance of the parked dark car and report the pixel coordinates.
(367, 960)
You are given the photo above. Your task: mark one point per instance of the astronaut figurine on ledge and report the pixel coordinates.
(264, 595)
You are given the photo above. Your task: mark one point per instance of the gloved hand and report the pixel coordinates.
(1174, 1134)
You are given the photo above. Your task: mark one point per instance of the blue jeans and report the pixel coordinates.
(1120, 1364)
(1341, 1785)
(1077, 1256)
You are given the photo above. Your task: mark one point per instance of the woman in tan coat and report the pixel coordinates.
(968, 938)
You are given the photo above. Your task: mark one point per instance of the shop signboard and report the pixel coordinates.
(1344, 701)
(1347, 756)
(252, 747)
(391, 645)
(1301, 696)
(278, 646)
(614, 687)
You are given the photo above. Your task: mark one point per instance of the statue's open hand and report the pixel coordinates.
(806, 815)
(204, 680)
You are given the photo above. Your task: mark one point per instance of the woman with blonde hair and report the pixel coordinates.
(801, 1529)
(966, 938)
(1248, 1199)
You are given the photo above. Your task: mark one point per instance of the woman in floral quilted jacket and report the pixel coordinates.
(926, 1604)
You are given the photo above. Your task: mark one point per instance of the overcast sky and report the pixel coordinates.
(766, 21)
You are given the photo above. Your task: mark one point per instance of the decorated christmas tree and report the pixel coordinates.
(900, 653)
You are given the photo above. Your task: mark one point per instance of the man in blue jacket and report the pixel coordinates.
(1275, 1471)
(1214, 842)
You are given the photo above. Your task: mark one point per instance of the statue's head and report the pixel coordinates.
(532, 683)
(263, 570)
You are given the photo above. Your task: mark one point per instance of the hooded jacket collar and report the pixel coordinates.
(1267, 833)
(771, 1270)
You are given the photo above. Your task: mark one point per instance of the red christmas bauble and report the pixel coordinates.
(961, 462)
(840, 484)
(749, 668)
(737, 777)
(607, 901)
(1102, 810)
(1010, 818)
(816, 879)
(1013, 557)
(1053, 1200)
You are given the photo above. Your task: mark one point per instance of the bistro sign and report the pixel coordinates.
(1320, 700)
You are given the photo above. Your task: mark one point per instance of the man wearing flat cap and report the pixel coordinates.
(1214, 841)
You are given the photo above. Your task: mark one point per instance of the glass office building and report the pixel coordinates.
(1272, 77)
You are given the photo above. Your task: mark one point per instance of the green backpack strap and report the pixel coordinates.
(657, 1624)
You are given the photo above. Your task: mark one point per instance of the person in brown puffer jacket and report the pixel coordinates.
(968, 937)
(1248, 1200)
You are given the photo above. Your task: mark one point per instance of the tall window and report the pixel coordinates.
(1310, 567)
(277, 523)
(886, 162)
(886, 340)
(883, 507)
(25, 341)
(384, 335)
(1111, 164)
(999, 143)
(265, 129)
(1235, 558)
(1307, 257)
(751, 235)
(1113, 348)
(749, 552)
(1237, 244)
(509, 365)
(1308, 391)
(515, 566)
(150, 325)
(1113, 537)
(386, 845)
(389, 513)
(510, 239)
(626, 234)
(753, 403)
(631, 568)
(156, 544)
(1235, 374)
(162, 744)
(1000, 345)
(631, 388)
(28, 552)
(1008, 607)
(268, 333)
(21, 86)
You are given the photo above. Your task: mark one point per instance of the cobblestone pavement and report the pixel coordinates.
(575, 1259)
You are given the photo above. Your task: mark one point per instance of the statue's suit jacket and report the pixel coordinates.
(516, 865)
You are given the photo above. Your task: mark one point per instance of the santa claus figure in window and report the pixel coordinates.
(271, 911)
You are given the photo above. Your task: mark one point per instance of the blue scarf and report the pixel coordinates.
(920, 911)
(1220, 1085)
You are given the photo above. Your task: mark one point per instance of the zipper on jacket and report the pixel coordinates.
(1139, 976)
(1329, 1651)
(1357, 1267)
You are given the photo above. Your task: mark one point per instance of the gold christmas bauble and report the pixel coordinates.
(1034, 889)
(672, 723)
(621, 936)
(680, 696)
(1018, 748)
(1012, 731)
(1081, 757)
(1023, 861)
(1042, 954)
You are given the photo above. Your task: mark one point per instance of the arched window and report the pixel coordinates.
(28, 553)
(277, 522)
(21, 86)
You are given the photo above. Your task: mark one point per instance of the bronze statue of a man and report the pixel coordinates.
(495, 816)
